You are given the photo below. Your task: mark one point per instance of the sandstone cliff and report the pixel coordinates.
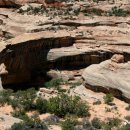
(34, 39)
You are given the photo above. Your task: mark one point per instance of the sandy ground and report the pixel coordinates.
(95, 110)
(7, 109)
(100, 110)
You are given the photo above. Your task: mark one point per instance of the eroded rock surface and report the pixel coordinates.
(109, 76)
(72, 37)
(14, 3)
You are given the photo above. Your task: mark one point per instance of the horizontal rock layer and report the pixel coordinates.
(32, 44)
(109, 76)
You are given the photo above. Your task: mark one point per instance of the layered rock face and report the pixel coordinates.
(42, 44)
(34, 39)
(14, 3)
(109, 76)
(25, 56)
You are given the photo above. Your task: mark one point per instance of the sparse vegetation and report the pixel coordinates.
(73, 85)
(126, 127)
(116, 11)
(96, 123)
(33, 123)
(69, 124)
(5, 96)
(54, 83)
(127, 118)
(41, 105)
(111, 123)
(24, 100)
(64, 104)
(20, 114)
(128, 108)
(98, 102)
(108, 98)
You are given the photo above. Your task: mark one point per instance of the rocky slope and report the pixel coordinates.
(35, 39)
(109, 76)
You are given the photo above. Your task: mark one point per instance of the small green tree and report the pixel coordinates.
(24, 100)
(5, 96)
(126, 127)
(64, 104)
(108, 98)
(33, 123)
(54, 83)
(127, 118)
(96, 123)
(111, 123)
(41, 105)
(69, 124)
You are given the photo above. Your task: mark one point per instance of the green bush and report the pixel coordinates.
(87, 125)
(108, 98)
(116, 11)
(24, 100)
(41, 105)
(54, 83)
(98, 102)
(96, 123)
(73, 85)
(81, 109)
(33, 123)
(20, 114)
(69, 124)
(64, 104)
(111, 123)
(126, 127)
(127, 118)
(128, 108)
(114, 122)
(5, 96)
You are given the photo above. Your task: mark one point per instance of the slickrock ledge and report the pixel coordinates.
(32, 44)
(109, 76)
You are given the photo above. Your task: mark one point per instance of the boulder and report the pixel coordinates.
(109, 76)
(6, 121)
(48, 91)
(117, 58)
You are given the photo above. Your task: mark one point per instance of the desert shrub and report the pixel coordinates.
(32, 10)
(114, 122)
(69, 124)
(54, 83)
(20, 114)
(128, 108)
(96, 123)
(96, 1)
(41, 105)
(5, 96)
(87, 125)
(127, 118)
(97, 102)
(81, 109)
(64, 104)
(60, 90)
(24, 100)
(116, 11)
(108, 98)
(111, 123)
(108, 109)
(32, 123)
(97, 11)
(126, 127)
(73, 85)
